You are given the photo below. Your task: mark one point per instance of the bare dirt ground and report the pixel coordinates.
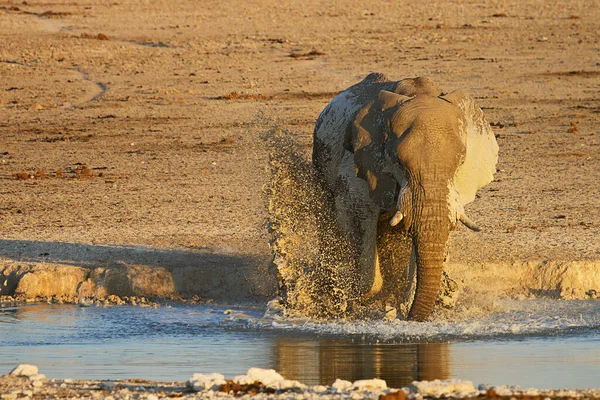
(130, 132)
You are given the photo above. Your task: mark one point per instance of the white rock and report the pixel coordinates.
(24, 370)
(341, 385)
(68, 380)
(152, 397)
(200, 382)
(319, 389)
(370, 384)
(290, 384)
(37, 377)
(502, 390)
(446, 387)
(268, 377)
(37, 384)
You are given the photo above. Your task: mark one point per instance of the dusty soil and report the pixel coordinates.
(130, 147)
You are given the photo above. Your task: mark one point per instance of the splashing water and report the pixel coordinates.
(313, 282)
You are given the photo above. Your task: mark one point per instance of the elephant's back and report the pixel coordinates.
(332, 123)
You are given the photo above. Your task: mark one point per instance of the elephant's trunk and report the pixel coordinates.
(429, 245)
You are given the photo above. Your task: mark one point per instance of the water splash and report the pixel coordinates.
(518, 319)
(313, 282)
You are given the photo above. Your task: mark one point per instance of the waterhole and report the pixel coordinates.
(533, 343)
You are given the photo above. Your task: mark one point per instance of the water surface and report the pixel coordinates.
(543, 344)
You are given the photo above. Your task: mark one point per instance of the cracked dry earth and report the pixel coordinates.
(130, 132)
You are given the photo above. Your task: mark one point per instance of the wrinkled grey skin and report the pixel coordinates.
(404, 149)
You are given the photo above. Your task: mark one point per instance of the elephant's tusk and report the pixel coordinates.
(469, 223)
(396, 218)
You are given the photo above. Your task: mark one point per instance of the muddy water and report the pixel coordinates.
(544, 344)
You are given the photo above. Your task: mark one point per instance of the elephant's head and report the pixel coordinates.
(423, 155)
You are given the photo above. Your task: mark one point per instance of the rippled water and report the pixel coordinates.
(534, 343)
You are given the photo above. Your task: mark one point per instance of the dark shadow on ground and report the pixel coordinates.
(203, 273)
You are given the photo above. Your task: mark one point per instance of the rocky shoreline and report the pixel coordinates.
(103, 301)
(26, 382)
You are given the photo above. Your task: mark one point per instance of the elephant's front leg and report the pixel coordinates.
(411, 285)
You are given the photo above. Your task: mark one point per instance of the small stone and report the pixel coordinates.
(37, 377)
(37, 384)
(200, 382)
(446, 387)
(37, 107)
(341, 385)
(8, 396)
(370, 384)
(68, 380)
(24, 370)
(107, 385)
(152, 397)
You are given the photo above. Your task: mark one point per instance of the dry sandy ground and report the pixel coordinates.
(137, 125)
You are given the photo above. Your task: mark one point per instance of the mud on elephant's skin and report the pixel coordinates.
(405, 150)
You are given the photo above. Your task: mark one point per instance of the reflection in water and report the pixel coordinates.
(321, 361)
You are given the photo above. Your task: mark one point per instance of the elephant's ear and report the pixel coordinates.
(367, 136)
(482, 150)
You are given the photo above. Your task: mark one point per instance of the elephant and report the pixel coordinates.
(407, 150)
